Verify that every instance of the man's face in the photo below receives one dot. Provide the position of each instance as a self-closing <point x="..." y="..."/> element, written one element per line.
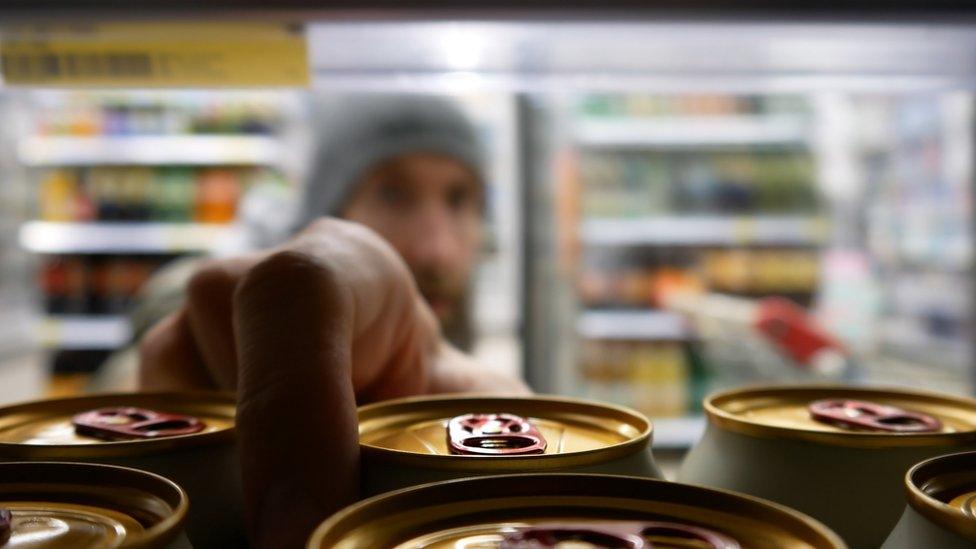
<point x="428" y="206"/>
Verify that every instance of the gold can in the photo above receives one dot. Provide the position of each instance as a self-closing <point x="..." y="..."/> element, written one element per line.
<point x="185" y="437"/>
<point x="836" y="453"/>
<point x="414" y="441"/>
<point x="57" y="505"/>
<point x="941" y="510"/>
<point x="542" y="510"/>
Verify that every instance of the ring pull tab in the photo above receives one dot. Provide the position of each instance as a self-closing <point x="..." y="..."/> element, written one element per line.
<point x="686" y="532"/>
<point x="545" y="536"/>
<point x="5" y="518"/>
<point x="494" y="435"/>
<point x="615" y="535"/>
<point x="127" y="423"/>
<point x="862" y="414"/>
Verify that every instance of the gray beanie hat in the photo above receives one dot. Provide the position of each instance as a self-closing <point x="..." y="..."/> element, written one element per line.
<point x="352" y="134"/>
<point x="355" y="133"/>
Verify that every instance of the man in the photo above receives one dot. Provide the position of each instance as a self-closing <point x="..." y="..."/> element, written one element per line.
<point x="346" y="312"/>
<point x="409" y="167"/>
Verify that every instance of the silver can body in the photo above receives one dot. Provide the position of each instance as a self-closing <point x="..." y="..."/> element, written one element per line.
<point x="857" y="492"/>
<point x="211" y="477"/>
<point x="379" y="476"/>
<point x="914" y="531"/>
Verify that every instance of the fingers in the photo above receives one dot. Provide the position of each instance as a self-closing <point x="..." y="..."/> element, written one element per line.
<point x="456" y="372"/>
<point x="296" y="418"/>
<point x="209" y="307"/>
<point x="387" y="332"/>
<point x="169" y="360"/>
<point x="409" y="360"/>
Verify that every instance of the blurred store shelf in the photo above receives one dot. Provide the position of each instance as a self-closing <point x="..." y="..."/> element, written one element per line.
<point x="639" y="325"/>
<point x="691" y="131"/>
<point x="704" y="230"/>
<point x="77" y="332"/>
<point x="197" y="150"/>
<point x="55" y="237"/>
<point x="677" y="433"/>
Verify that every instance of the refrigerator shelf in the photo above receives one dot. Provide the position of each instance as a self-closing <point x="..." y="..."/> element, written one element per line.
<point x="692" y="131"/>
<point x="632" y="325"/>
<point x="703" y="230"/>
<point x="123" y="237"/>
<point x="185" y="150"/>
<point x="82" y="332"/>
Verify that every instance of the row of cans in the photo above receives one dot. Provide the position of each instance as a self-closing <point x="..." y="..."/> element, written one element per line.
<point x="786" y="466"/>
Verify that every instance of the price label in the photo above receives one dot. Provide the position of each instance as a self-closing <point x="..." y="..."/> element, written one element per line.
<point x="49" y="332"/>
<point x="743" y="230"/>
<point x="233" y="54"/>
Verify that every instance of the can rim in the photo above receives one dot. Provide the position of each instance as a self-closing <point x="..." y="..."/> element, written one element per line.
<point x="731" y="422"/>
<point x="940" y="513"/>
<point x="157" y="535"/>
<point x="19" y="450"/>
<point x="511" y="463"/>
<point x="566" y="482"/>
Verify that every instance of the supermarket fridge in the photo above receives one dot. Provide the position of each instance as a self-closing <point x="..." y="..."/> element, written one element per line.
<point x="744" y="204"/>
<point x="727" y="160"/>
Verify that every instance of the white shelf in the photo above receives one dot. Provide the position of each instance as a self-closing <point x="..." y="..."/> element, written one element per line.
<point x="692" y="131"/>
<point x="642" y="325"/>
<point x="704" y="230"/>
<point x="77" y="332"/>
<point x="198" y="150"/>
<point x="679" y="432"/>
<point x="128" y="237"/>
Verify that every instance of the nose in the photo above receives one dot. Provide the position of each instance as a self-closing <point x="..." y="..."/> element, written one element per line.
<point x="436" y="241"/>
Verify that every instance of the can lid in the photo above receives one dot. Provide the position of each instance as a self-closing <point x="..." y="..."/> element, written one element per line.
<point x="122" y="424"/>
<point x="943" y="489"/>
<point x="81" y="505"/>
<point x="533" y="432"/>
<point x="965" y="502"/>
<point x="846" y="415"/>
<point x="539" y="510"/>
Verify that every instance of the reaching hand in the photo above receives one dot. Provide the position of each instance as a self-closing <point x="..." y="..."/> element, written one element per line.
<point x="304" y="332"/>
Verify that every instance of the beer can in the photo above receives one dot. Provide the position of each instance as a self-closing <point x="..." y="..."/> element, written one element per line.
<point x="941" y="510"/>
<point x="417" y="440"/>
<point x="185" y="437"/>
<point x="57" y="505"/>
<point x="549" y="509"/>
<point x="836" y="453"/>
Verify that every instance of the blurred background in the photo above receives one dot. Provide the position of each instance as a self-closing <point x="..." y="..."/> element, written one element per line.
<point x="673" y="208"/>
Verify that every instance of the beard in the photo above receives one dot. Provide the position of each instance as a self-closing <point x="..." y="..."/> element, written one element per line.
<point x="451" y="304"/>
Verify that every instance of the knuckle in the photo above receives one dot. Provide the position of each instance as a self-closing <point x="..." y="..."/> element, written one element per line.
<point x="210" y="279"/>
<point x="287" y="272"/>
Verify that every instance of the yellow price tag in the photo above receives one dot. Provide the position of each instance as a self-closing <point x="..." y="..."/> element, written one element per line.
<point x="140" y="54"/>
<point x="49" y="332"/>
<point x="743" y="230"/>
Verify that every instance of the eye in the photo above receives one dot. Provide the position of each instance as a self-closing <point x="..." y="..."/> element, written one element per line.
<point x="461" y="197"/>
<point x="393" y="195"/>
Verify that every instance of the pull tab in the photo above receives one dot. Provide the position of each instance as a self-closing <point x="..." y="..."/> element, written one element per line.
<point x="494" y="435"/>
<point x="672" y="530"/>
<point x="854" y="414"/>
<point x="545" y="536"/>
<point x="614" y="535"/>
<point x="126" y="423"/>
<point x="4" y="525"/>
